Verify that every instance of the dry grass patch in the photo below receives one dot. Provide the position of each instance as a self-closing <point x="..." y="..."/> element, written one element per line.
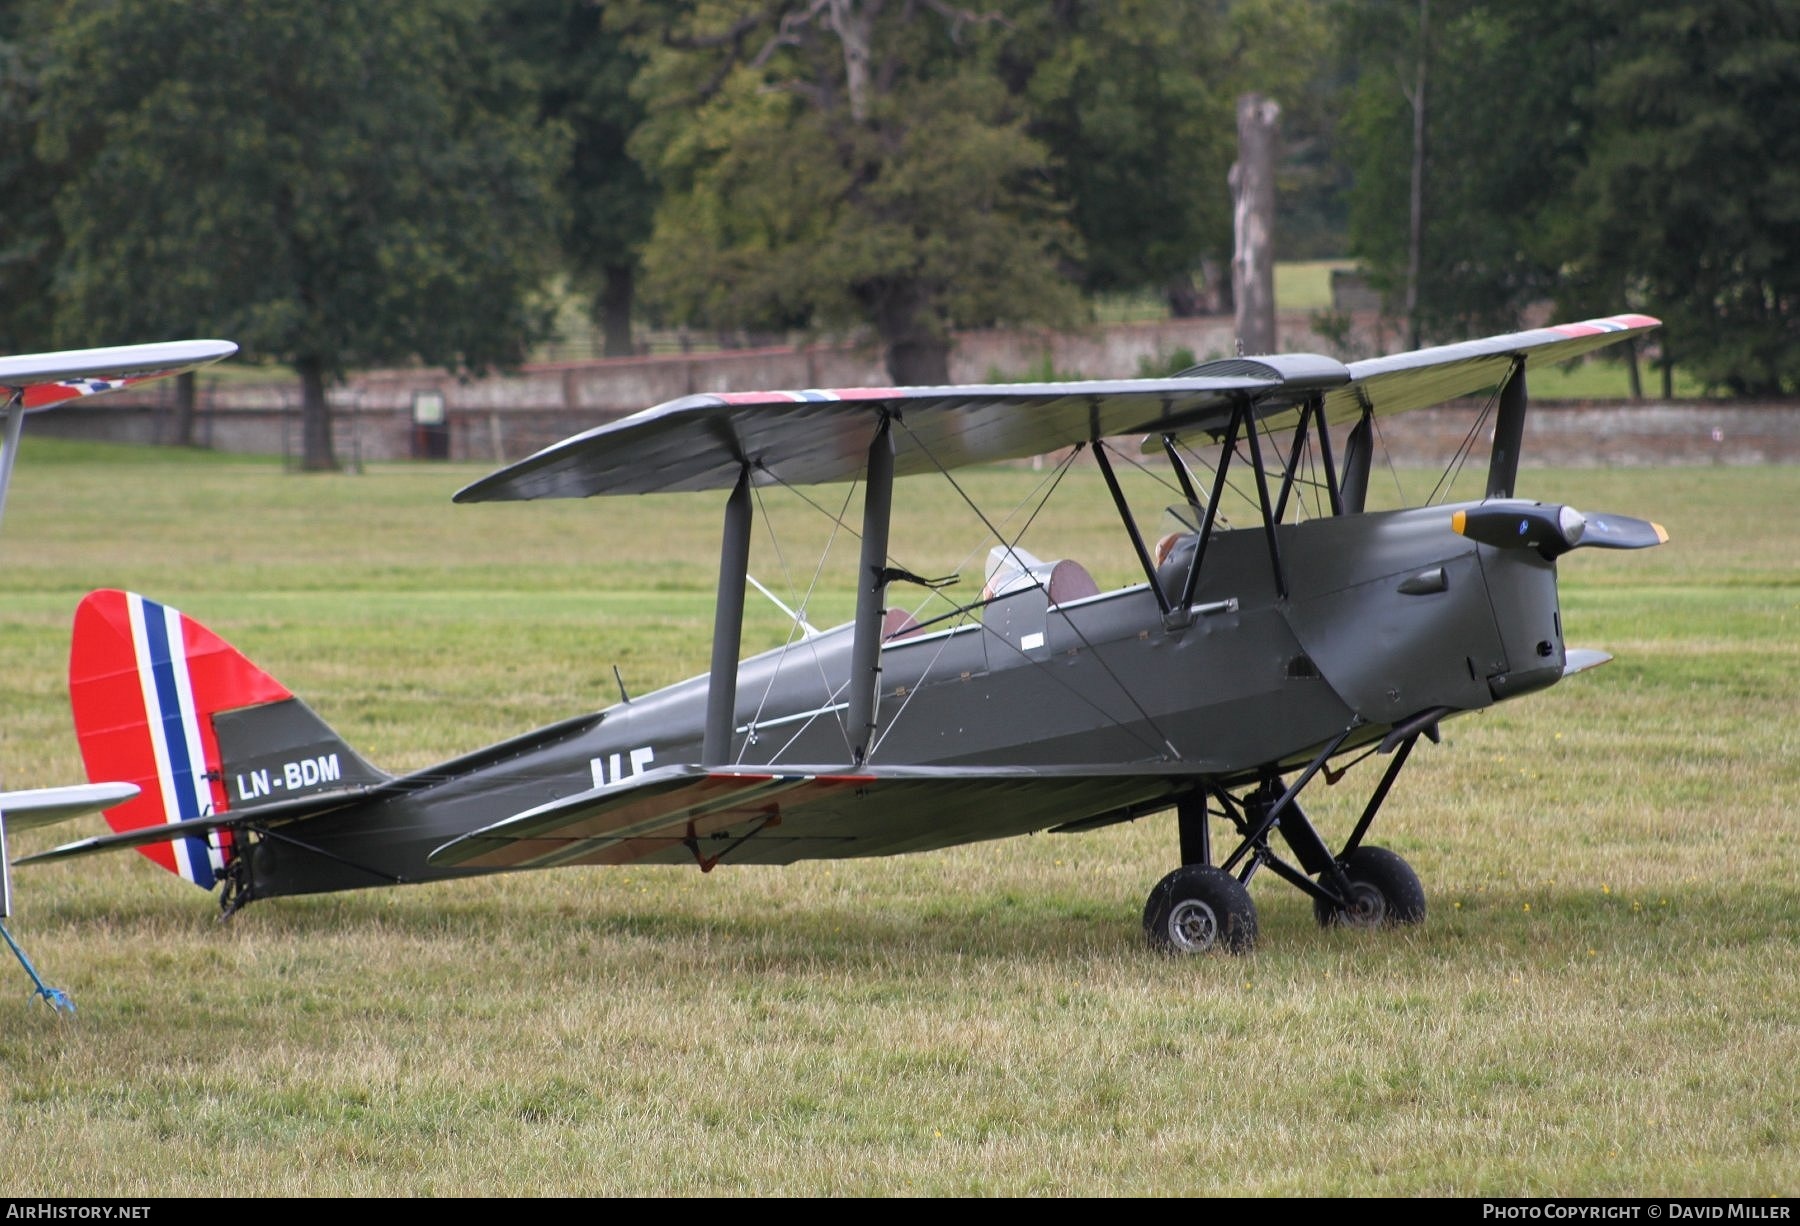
<point x="1602" y="1001"/>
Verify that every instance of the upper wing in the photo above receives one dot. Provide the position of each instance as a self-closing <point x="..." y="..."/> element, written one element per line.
<point x="762" y="817"/>
<point x="1426" y="377"/>
<point x="703" y="442"/>
<point x="40" y="380"/>
<point x="802" y="438"/>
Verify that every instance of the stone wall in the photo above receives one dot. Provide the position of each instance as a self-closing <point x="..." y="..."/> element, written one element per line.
<point x="504" y="417"/>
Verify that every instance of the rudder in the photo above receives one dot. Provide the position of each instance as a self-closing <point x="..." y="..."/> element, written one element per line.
<point x="163" y="702"/>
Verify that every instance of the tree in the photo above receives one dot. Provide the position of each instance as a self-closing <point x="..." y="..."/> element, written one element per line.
<point x="1601" y="156"/>
<point x="1136" y="102"/>
<point x="30" y="240"/>
<point x="584" y="70"/>
<point x="841" y="162"/>
<point x="1130" y="101"/>
<point x="1689" y="204"/>
<point x="333" y="190"/>
<point x="1500" y="141"/>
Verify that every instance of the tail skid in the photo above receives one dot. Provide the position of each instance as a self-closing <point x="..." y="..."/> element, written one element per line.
<point x="163" y="702"/>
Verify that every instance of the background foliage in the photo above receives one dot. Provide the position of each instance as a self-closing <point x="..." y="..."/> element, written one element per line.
<point x="418" y="179"/>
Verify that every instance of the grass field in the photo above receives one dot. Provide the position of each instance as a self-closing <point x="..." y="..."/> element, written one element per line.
<point x="1603" y="1000"/>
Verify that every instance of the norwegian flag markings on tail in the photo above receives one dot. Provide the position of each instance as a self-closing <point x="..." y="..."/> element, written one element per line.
<point x="145" y="681"/>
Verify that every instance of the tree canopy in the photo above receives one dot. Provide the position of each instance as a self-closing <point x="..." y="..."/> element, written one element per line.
<point x="30" y="241"/>
<point x="394" y="180"/>
<point x="331" y="188"/>
<point x="1598" y="156"/>
<point x="1689" y="201"/>
<point x="584" y="71"/>
<point x="843" y="162"/>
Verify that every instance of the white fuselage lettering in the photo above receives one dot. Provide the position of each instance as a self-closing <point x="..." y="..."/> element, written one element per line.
<point x="610" y="769"/>
<point x="293" y="776"/>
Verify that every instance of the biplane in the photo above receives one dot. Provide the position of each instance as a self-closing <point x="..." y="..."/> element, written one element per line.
<point x="1247" y="660"/>
<point x="31" y="383"/>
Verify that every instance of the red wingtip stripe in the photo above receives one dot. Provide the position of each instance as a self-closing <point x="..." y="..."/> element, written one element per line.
<point x="1612" y="323"/>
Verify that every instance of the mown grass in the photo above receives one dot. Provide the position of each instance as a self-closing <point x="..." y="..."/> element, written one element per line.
<point x="1601" y="1002"/>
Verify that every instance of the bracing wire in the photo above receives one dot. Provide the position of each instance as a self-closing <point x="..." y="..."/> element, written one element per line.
<point x="1124" y="689"/>
<point x="1453" y="469"/>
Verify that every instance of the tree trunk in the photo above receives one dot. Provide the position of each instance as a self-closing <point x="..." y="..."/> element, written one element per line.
<point x="1183" y="297"/>
<point x="918" y="355"/>
<point x="1253" y="191"/>
<point x="1217" y="279"/>
<point x="316" y="452"/>
<point x="616" y="295"/>
<point x="921" y="361"/>
<point x="185" y="394"/>
<point x="1631" y="369"/>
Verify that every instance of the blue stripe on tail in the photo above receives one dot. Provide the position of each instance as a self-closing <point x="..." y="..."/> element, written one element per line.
<point x="168" y="701"/>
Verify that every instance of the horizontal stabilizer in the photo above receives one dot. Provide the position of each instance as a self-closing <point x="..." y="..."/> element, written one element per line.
<point x="202" y="827"/>
<point x="41" y="380"/>
<point x="47" y="806"/>
<point x="874" y="810"/>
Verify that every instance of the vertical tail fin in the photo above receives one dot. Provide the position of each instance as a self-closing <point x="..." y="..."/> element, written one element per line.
<point x="163" y="702"/>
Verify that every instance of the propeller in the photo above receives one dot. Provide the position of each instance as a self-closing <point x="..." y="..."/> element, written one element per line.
<point x="1552" y="529"/>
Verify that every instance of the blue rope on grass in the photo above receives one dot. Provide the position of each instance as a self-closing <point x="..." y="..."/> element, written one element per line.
<point x="56" y="998"/>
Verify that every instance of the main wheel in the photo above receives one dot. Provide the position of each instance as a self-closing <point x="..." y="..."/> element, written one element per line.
<point x="1198" y="908"/>
<point x="1384" y="890"/>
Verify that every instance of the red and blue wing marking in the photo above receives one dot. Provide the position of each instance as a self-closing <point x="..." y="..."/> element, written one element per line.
<point x="145" y="681"/>
<point x="43" y="395"/>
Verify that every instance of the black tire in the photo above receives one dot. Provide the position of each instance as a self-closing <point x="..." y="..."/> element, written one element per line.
<point x="1388" y="893"/>
<point x="1197" y="909"/>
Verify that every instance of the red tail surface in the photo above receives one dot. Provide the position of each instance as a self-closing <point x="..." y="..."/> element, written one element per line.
<point x="145" y="681"/>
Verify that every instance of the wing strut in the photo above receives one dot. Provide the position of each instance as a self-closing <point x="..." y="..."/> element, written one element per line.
<point x="1325" y="458"/>
<point x="1131" y="528"/>
<point x="728" y="625"/>
<point x="1268" y="510"/>
<point x="1181" y="470"/>
<point x="871" y="594"/>
<point x="1509" y="434"/>
<point x="9" y="443"/>
<point x="1238" y="416"/>
<point x="1292" y="470"/>
<point x="1358" y="451"/>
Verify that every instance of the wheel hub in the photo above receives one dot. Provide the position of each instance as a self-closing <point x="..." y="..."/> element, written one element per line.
<point x="1193" y="926"/>
<point x="1367" y="909"/>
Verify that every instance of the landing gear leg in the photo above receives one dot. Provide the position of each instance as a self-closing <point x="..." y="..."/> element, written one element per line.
<point x="1359" y="886"/>
<point x="1193" y="816"/>
<point x="1198" y="908"/>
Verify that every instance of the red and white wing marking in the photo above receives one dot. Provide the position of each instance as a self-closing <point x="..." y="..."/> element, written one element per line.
<point x="144" y="681"/>
<point x="41" y="380"/>
<point x="1612" y="323"/>
<point x="1426" y="377"/>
